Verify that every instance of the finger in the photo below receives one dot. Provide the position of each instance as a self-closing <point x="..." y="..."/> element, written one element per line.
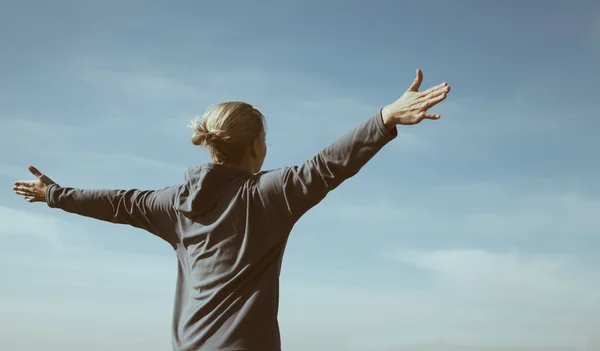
<point x="25" y="183"/>
<point x="432" y="95"/>
<point x="25" y="193"/>
<point x="22" y="191"/>
<point x="33" y="199"/>
<point x="21" y="188"/>
<point x="434" y="101"/>
<point x="440" y="88"/>
<point x="433" y="116"/>
<point x="417" y="82"/>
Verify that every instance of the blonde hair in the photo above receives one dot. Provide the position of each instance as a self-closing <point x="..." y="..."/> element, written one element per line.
<point x="228" y="130"/>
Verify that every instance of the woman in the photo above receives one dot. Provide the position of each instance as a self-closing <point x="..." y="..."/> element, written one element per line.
<point x="229" y="221"/>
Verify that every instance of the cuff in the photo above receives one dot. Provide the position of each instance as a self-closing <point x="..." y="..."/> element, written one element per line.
<point x="50" y="190"/>
<point x="388" y="134"/>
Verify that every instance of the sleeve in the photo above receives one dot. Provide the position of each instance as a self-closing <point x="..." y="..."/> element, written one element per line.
<point x="151" y="210"/>
<point x="296" y="189"/>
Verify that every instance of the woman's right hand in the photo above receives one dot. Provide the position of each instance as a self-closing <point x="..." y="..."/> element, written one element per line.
<point x="33" y="190"/>
<point x="413" y="106"/>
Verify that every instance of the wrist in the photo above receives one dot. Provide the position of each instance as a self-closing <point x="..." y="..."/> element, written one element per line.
<point x="387" y="118"/>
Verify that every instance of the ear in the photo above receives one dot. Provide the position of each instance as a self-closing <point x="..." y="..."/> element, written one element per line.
<point x="255" y="150"/>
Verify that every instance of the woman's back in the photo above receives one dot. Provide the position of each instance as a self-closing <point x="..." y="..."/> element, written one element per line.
<point x="231" y="244"/>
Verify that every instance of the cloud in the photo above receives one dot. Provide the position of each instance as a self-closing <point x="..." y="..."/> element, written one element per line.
<point x="58" y="234"/>
<point x="544" y="292"/>
<point x="487" y="266"/>
<point x="513" y="211"/>
<point x="151" y="85"/>
<point x="57" y="245"/>
<point x="479" y="298"/>
<point x="62" y="284"/>
<point x="32" y="134"/>
<point x="481" y="270"/>
<point x="132" y="78"/>
<point x="65" y="150"/>
<point x="111" y="302"/>
<point x="123" y="159"/>
<point x="441" y="346"/>
<point x="209" y="83"/>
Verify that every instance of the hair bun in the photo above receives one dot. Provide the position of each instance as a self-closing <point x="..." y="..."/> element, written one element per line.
<point x="202" y="137"/>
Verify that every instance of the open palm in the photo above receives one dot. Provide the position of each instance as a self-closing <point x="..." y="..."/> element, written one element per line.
<point x="413" y="106"/>
<point x="33" y="190"/>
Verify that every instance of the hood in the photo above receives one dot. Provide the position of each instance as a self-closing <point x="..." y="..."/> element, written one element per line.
<point x="205" y="185"/>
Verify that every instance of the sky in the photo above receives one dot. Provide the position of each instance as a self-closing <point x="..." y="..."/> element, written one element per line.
<point x="479" y="231"/>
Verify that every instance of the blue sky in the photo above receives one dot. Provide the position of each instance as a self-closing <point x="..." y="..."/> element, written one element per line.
<point x="477" y="230"/>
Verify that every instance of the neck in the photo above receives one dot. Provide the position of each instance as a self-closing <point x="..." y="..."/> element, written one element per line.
<point x="247" y="165"/>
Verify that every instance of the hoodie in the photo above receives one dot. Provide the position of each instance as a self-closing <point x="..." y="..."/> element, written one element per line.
<point x="229" y="229"/>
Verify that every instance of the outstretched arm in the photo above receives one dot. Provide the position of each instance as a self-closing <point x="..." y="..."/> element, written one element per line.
<point x="151" y="210"/>
<point x="296" y="189"/>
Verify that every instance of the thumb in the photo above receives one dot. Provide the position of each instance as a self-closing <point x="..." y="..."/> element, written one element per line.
<point x="43" y="178"/>
<point x="417" y="82"/>
<point x="35" y="172"/>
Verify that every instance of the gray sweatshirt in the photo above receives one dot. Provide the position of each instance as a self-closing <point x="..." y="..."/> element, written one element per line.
<point x="229" y="229"/>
